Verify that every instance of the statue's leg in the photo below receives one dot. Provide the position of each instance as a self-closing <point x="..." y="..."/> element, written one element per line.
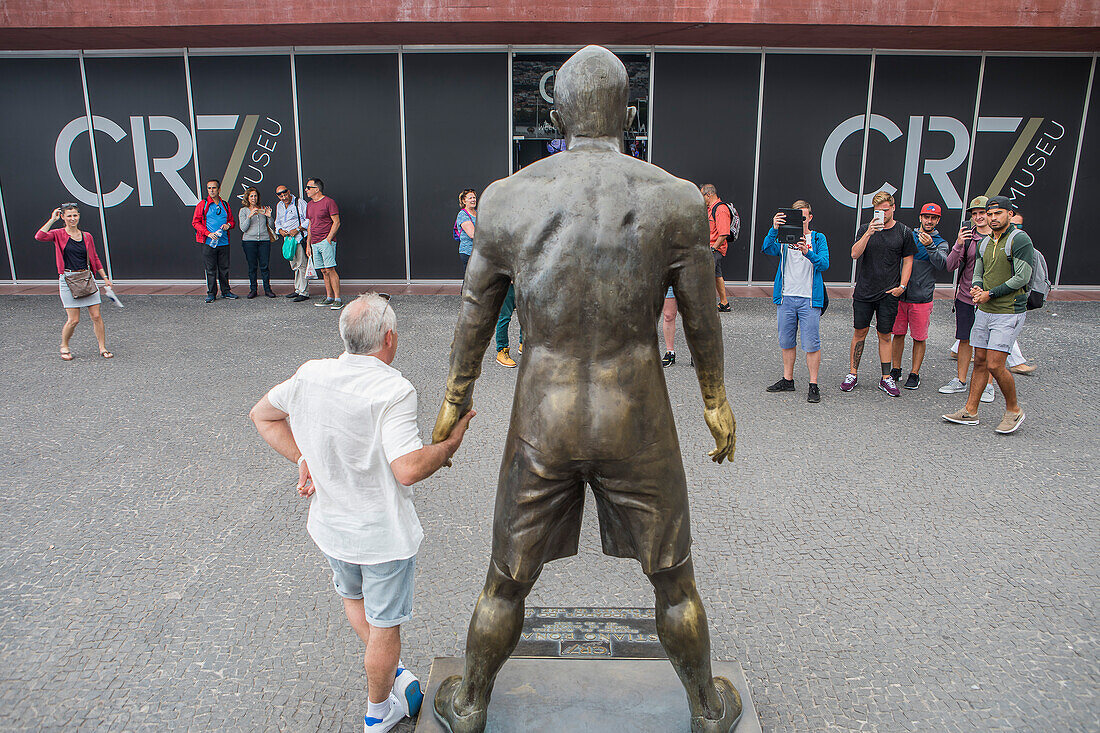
<point x="682" y="628"/>
<point x="461" y="702"/>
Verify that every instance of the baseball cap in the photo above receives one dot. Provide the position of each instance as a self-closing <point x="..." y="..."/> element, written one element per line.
<point x="932" y="209"/>
<point x="1000" y="202"/>
<point x="979" y="202"/>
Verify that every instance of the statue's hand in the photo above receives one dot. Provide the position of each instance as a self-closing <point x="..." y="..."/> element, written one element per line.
<point x="723" y="427"/>
<point x="449" y="414"/>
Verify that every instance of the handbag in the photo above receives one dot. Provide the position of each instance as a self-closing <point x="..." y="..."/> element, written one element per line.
<point x="81" y="283"/>
<point x="290" y="247"/>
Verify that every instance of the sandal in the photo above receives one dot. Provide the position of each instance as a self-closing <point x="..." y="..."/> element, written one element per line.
<point x="107" y="355"/>
<point x="67" y="355"/>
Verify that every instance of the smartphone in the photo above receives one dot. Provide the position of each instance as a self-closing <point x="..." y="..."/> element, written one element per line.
<point x="968" y="225"/>
<point x="879" y="216"/>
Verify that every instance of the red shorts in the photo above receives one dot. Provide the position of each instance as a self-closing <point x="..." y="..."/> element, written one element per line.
<point x="913" y="317"/>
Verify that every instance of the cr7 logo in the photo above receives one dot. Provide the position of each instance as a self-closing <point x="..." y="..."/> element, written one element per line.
<point x="938" y="170"/>
<point x="169" y="167"/>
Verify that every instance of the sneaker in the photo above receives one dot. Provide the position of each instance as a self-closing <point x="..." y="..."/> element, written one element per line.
<point x="849" y="383"/>
<point x="889" y="386"/>
<point x="814" y="395"/>
<point x="270" y="294"/>
<point x="962" y="417"/>
<point x="783" y="385"/>
<point x="406" y="688"/>
<point x="1023" y="369"/>
<point x="896" y="374"/>
<point x="396" y="714"/>
<point x="504" y="360"/>
<point x="912" y="381"/>
<point x="336" y="305"/>
<point x="291" y="294"/>
<point x="251" y="294"/>
<point x="724" y="308"/>
<point x="1010" y="422"/>
<point x="210" y="298"/>
<point x="298" y="298"/>
<point x="230" y="296"/>
<point x="955" y="386"/>
<point x="668" y="359"/>
<point x="323" y="303"/>
<point x="519" y="349"/>
<point x="987" y="393"/>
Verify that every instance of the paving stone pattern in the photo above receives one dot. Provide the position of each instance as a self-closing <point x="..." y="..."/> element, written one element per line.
<point x="870" y="567"/>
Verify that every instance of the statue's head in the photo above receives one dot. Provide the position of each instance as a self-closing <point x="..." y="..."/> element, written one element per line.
<point x="591" y="94"/>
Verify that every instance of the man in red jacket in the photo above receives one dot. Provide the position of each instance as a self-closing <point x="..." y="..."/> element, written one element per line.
<point x="211" y="221"/>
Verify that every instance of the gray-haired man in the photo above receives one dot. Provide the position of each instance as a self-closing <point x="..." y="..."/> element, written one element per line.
<point x="350" y="424"/>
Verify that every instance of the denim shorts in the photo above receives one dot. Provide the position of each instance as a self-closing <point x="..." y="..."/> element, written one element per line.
<point x="797" y="314"/>
<point x="324" y="254"/>
<point x="385" y="588"/>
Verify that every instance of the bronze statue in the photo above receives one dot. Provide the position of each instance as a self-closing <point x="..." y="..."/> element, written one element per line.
<point x="591" y="238"/>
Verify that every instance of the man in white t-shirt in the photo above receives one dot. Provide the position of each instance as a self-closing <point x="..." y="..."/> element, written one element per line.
<point x="350" y="424"/>
<point x="799" y="292"/>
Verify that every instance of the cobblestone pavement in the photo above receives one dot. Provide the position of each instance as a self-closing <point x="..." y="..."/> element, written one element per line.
<point x="871" y="567"/>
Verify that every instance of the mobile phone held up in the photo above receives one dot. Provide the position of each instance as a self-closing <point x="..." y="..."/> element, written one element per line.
<point x="791" y="230"/>
<point x="879" y="216"/>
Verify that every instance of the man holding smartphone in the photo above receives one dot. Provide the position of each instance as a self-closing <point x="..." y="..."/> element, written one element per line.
<point x="884" y="255"/>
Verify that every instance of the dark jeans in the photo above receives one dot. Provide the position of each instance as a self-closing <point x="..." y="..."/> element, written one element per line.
<point x="258" y="253"/>
<point x="216" y="261"/>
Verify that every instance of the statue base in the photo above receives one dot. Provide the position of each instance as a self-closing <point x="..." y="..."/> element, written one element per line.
<point x="589" y="696"/>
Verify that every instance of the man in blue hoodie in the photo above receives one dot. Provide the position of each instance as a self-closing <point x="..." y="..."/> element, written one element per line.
<point x="915" y="305"/>
<point x="799" y="292"/>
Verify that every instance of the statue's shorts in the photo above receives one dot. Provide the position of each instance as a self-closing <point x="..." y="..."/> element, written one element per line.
<point x="641" y="502"/>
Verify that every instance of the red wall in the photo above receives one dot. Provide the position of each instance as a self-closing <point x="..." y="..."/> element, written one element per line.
<point x="925" y="24"/>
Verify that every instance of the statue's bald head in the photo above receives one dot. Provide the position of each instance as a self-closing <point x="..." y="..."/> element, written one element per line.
<point x="591" y="94"/>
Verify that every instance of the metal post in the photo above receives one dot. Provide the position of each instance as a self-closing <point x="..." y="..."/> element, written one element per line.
<point x="199" y="193"/>
<point x="95" y="167"/>
<point x="649" y="105"/>
<point x="970" y="156"/>
<point x="756" y="167"/>
<point x="1073" y="180"/>
<point x="297" y="131"/>
<point x="404" y="162"/>
<point x="511" y="115"/>
<point x="7" y="237"/>
<point x="863" y="160"/>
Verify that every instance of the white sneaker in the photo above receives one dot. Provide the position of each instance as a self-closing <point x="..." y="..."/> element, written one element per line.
<point x="953" y="387"/>
<point x="406" y="688"/>
<point x="987" y="393"/>
<point x="396" y="714"/>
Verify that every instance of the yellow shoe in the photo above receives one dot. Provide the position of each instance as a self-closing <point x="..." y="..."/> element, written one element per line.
<point x="504" y="360"/>
<point x="519" y="349"/>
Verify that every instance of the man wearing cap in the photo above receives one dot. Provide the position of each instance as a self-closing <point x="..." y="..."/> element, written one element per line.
<point x="1002" y="271"/>
<point x="915" y="304"/>
<point x="962" y="257"/>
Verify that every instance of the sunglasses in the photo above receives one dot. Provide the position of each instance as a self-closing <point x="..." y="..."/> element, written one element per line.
<point x="308" y="187"/>
<point x="282" y="193"/>
<point x="69" y="205"/>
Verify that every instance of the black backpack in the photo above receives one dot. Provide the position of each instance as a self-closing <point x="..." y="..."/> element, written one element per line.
<point x="735" y="220"/>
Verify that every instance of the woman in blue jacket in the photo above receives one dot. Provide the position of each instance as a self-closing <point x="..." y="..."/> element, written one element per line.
<point x="800" y="294"/>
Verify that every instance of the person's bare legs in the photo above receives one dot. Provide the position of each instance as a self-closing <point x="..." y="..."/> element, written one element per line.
<point x="995" y="365"/>
<point x="918" y="355"/>
<point x="964" y="359"/>
<point x="884" y="347"/>
<point x="328" y="284"/>
<point x="682" y="628"/>
<point x="859" y="340"/>
<point x="720" y="286"/>
<point x="72" y="318"/>
<point x="335" y="280"/>
<point x="813" y="364"/>
<point x="978" y="380"/>
<point x="98" y="326"/>
<point x="668" y="323"/>
<point x="788" y="363"/>
<point x="897" y="350"/>
<point x="383" y="649"/>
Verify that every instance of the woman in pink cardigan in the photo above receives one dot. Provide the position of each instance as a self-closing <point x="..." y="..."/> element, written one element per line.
<point x="75" y="251"/>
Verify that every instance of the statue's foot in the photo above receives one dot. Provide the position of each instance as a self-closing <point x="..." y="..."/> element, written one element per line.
<point x="471" y="722"/>
<point x="731" y="711"/>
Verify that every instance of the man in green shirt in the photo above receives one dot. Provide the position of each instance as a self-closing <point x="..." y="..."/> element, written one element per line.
<point x="1002" y="272"/>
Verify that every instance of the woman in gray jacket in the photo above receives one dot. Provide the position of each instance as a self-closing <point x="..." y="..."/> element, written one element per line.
<point x="256" y="227"/>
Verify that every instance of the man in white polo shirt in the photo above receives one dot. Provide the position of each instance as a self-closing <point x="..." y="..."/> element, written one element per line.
<point x="350" y="424"/>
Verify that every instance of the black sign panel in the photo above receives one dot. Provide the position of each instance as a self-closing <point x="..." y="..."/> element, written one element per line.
<point x="811" y="145"/>
<point x="146" y="164"/>
<point x="45" y="157"/>
<point x="1081" y="261"/>
<point x="244" y="122"/>
<point x="456" y="112"/>
<point x="358" y="155"/>
<point x="1030" y="119"/>
<point x="919" y="141"/>
<point x="589" y="633"/>
<point x="705" y="125"/>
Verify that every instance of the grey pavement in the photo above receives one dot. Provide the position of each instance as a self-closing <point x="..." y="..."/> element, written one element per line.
<point x="871" y="567"/>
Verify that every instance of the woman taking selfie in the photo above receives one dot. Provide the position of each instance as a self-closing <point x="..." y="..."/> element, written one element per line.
<point x="76" y="261"/>
<point x="256" y="227"/>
